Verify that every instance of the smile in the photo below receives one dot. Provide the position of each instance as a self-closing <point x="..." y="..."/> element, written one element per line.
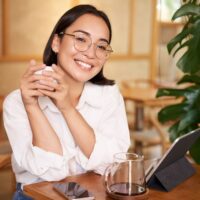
<point x="84" y="65"/>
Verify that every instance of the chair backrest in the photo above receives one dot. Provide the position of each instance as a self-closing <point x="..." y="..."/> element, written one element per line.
<point x="5" y="160"/>
<point x="5" y="149"/>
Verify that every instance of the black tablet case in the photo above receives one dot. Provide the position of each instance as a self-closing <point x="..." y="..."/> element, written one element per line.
<point x="174" y="168"/>
<point x="172" y="175"/>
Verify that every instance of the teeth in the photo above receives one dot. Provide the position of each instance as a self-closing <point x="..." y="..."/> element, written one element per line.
<point x="84" y="65"/>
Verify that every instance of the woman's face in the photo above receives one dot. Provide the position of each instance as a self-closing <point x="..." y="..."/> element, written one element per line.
<point x="81" y="66"/>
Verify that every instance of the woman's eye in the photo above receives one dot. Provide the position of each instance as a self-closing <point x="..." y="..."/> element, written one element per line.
<point x="80" y="39"/>
<point x="101" y="47"/>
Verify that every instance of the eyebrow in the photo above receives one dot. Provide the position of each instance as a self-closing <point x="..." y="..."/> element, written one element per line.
<point x="101" y="39"/>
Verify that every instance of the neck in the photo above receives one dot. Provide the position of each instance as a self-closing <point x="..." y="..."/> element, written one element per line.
<point x="75" y="91"/>
<point x="75" y="88"/>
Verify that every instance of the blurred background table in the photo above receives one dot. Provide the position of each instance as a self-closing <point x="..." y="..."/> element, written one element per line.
<point x="141" y="96"/>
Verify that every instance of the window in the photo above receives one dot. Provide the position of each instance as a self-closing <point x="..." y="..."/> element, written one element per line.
<point x="166" y="9"/>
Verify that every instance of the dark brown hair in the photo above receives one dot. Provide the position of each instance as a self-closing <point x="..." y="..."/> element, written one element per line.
<point x="68" y="18"/>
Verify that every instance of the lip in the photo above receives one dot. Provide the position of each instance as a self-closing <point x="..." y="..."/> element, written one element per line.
<point x="83" y="64"/>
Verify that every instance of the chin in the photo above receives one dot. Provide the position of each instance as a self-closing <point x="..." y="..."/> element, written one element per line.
<point x="83" y="79"/>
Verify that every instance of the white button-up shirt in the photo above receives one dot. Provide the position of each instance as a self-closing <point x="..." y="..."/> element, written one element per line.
<point x="103" y="109"/>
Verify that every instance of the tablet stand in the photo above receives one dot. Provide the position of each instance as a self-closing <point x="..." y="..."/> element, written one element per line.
<point x="172" y="175"/>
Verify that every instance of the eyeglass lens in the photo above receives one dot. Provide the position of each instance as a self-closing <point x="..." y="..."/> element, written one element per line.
<point x="82" y="42"/>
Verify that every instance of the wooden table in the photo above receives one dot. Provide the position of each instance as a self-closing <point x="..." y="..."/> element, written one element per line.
<point x="188" y="190"/>
<point x="145" y="97"/>
<point x="139" y="96"/>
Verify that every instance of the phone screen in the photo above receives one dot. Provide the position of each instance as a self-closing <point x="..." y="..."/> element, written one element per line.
<point x="73" y="191"/>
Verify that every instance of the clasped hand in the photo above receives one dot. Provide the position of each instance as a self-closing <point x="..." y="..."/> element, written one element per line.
<point x="49" y="83"/>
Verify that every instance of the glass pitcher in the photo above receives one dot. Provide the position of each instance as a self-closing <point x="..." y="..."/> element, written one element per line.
<point x="126" y="176"/>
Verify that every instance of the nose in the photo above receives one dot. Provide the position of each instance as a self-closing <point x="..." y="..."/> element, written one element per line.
<point x="90" y="52"/>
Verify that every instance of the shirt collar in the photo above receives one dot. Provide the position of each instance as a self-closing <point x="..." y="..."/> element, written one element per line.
<point x="92" y="95"/>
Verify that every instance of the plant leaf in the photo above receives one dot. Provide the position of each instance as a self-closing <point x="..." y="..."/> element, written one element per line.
<point x="171" y="92"/>
<point x="195" y="151"/>
<point x="173" y="132"/>
<point x="172" y="112"/>
<point x="192" y="96"/>
<point x="190" y="60"/>
<point x="192" y="117"/>
<point x="190" y="79"/>
<point x="178" y="39"/>
<point x="186" y="9"/>
<point x="181" y="46"/>
<point x="186" y="115"/>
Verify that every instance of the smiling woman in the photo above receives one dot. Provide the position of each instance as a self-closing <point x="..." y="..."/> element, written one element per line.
<point x="129" y="60"/>
<point x="76" y="123"/>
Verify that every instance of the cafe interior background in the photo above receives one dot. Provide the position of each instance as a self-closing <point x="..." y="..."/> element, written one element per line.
<point x="141" y="30"/>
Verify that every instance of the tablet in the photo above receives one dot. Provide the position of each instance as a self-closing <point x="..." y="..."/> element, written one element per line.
<point x="177" y="151"/>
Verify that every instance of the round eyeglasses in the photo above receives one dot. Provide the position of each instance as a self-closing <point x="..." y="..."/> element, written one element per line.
<point x="82" y="42"/>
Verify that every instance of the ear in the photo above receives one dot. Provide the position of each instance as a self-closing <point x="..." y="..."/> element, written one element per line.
<point x="55" y="43"/>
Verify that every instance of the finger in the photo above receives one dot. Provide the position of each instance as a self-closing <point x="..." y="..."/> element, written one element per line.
<point x="57" y="69"/>
<point x="31" y="78"/>
<point x="48" y="82"/>
<point x="37" y="93"/>
<point x="44" y="87"/>
<point x="54" y="75"/>
<point x="33" y="67"/>
<point x="37" y="85"/>
<point x="48" y="93"/>
<point x="39" y="77"/>
<point x="34" y="93"/>
<point x="32" y="62"/>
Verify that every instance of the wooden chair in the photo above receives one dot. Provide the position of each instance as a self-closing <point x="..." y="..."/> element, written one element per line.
<point x="153" y="134"/>
<point x="5" y="161"/>
<point x="5" y="154"/>
<point x="5" y="149"/>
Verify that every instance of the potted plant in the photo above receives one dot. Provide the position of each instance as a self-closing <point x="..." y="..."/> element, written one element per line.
<point x="185" y="115"/>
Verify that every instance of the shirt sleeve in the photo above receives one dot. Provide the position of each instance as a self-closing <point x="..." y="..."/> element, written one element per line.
<point x="45" y="165"/>
<point x="112" y="134"/>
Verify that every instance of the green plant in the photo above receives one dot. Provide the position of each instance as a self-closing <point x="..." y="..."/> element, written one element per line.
<point x="185" y="115"/>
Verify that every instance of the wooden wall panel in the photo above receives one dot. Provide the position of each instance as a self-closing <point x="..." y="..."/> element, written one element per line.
<point x="119" y="15"/>
<point x="30" y="25"/>
<point x="1" y="27"/>
<point x="142" y="27"/>
<point x="27" y="35"/>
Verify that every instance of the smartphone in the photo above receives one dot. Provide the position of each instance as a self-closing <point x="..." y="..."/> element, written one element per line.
<point x="73" y="191"/>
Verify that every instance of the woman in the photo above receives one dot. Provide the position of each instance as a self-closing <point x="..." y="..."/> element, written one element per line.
<point x="70" y="119"/>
